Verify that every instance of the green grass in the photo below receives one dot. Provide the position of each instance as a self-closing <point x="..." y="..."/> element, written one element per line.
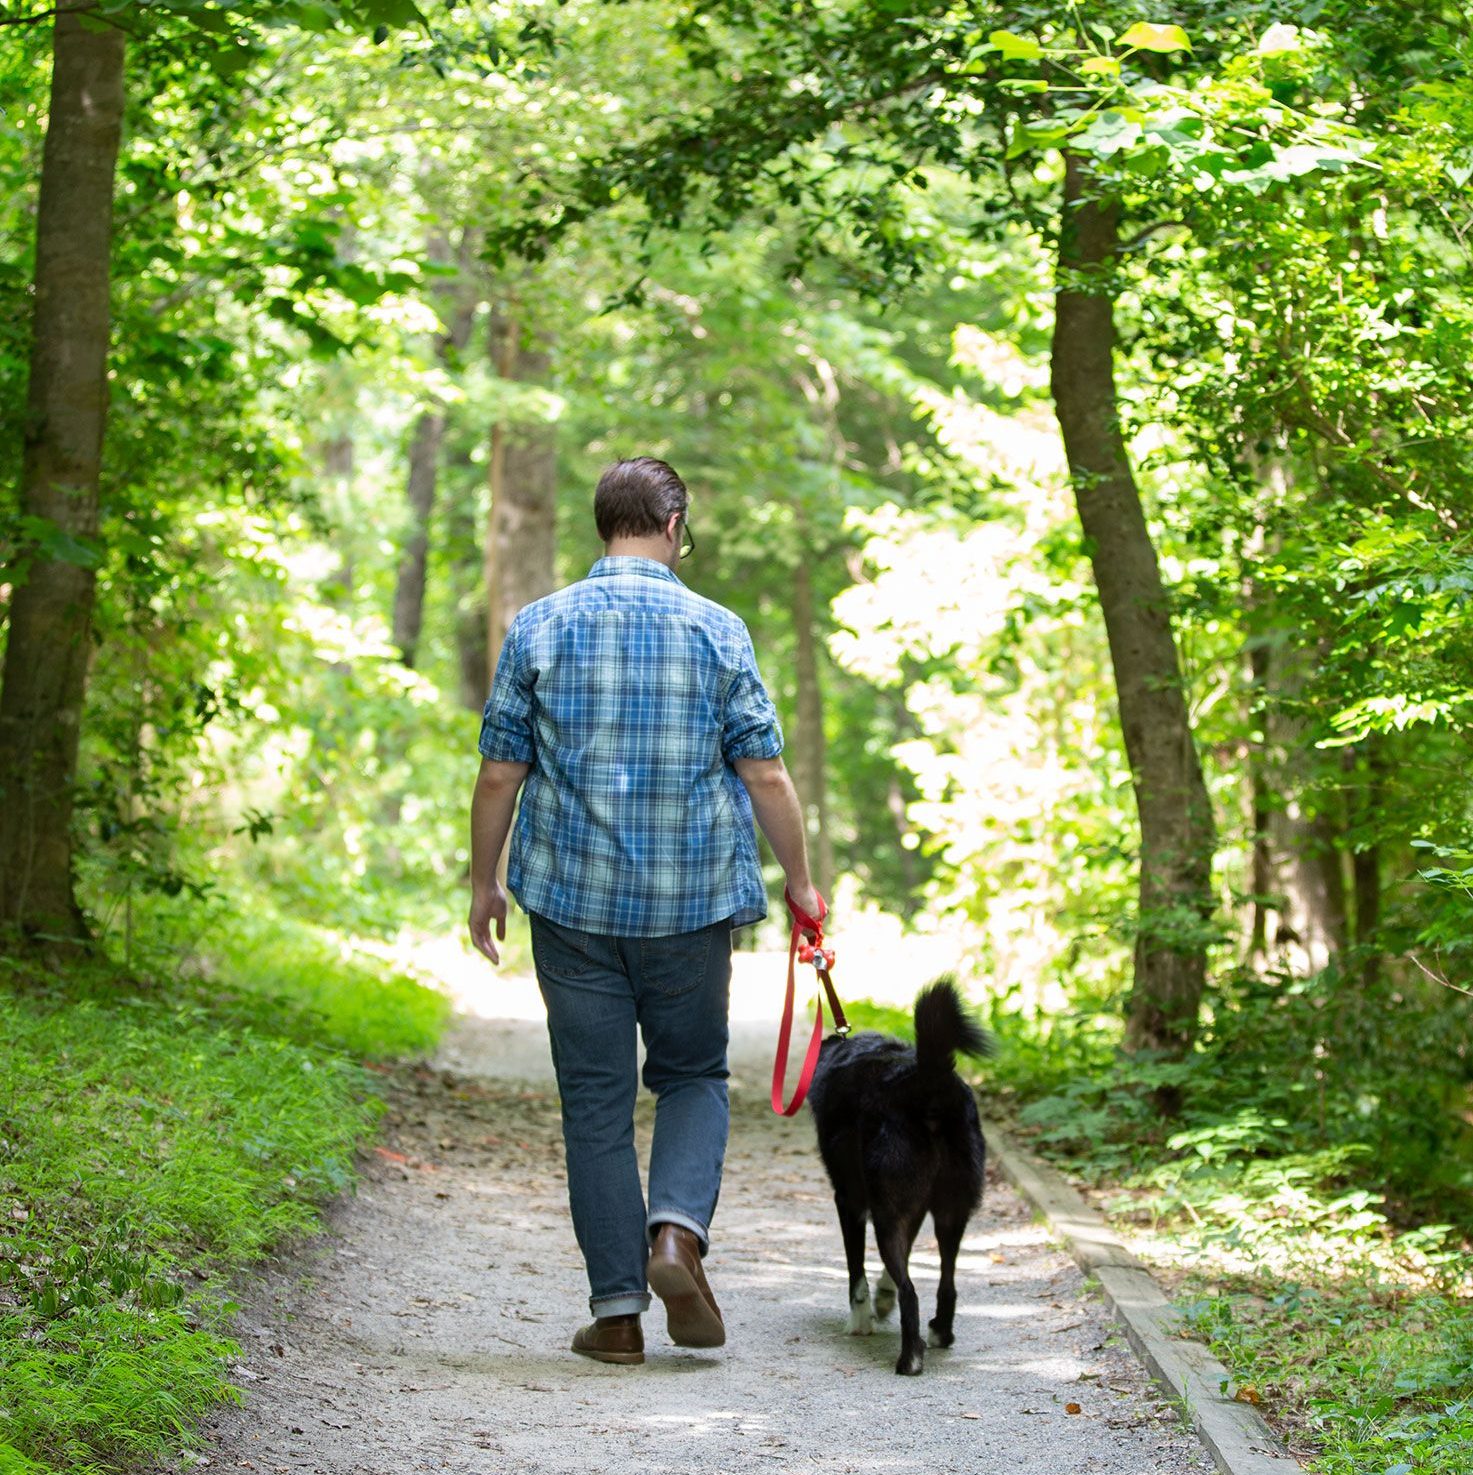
<point x="154" y="1140"/>
<point x="316" y="986"/>
<point x="889" y="1019"/>
<point x="1368" y="1376"/>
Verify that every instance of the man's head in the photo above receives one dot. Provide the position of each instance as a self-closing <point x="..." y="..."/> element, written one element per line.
<point x="642" y="502"/>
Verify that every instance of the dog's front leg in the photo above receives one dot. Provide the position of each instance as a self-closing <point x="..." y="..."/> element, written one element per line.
<point x="851" y="1225"/>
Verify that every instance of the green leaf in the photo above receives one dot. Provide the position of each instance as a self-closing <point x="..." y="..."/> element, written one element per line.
<point x="1144" y="36"/>
<point x="1013" y="47"/>
<point x="1108" y="134"/>
<point x="316" y="17"/>
<point x="1104" y="66"/>
<point x="55" y="543"/>
<point x="1036" y="136"/>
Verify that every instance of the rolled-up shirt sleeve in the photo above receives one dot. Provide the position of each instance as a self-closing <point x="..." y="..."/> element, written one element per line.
<point x="749" y="725"/>
<point x="506" y="720"/>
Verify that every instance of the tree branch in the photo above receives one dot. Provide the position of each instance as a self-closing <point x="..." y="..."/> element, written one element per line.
<point x="1146" y="232"/>
<point x="1439" y="979"/>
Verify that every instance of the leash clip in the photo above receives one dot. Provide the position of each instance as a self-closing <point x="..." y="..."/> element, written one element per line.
<point x="815" y="953"/>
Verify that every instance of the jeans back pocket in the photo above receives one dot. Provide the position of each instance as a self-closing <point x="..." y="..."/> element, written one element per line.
<point x="558" y="951"/>
<point x="678" y="963"/>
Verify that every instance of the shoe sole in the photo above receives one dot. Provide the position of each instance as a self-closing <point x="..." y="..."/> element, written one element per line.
<point x="691" y="1319"/>
<point x="625" y="1359"/>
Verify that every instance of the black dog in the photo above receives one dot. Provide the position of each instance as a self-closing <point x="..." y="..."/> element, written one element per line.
<point x="899" y="1135"/>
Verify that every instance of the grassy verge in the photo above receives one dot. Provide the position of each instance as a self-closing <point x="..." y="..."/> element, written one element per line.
<point x="1308" y="1209"/>
<point x="1354" y="1336"/>
<point x="155" y="1139"/>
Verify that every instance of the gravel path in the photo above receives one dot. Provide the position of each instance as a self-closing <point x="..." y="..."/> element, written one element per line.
<point x="428" y="1330"/>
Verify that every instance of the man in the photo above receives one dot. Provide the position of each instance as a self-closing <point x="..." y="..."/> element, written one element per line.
<point x="633" y="711"/>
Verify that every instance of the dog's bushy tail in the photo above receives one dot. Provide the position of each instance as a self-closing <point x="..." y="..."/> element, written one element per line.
<point x="944" y="1029"/>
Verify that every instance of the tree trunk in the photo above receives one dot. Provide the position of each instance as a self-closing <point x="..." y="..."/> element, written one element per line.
<point x="464" y="481"/>
<point x="1306" y="923"/>
<point x="521" y="532"/>
<point x="459" y="312"/>
<point x="409" y="588"/>
<point x="51" y="613"/>
<point x="809" y="753"/>
<point x="1262" y="882"/>
<point x="1300" y="921"/>
<point x="1365" y="857"/>
<point x="1177" y="835"/>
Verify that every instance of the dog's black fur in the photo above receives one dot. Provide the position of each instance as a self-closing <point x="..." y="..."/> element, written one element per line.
<point x="899" y="1135"/>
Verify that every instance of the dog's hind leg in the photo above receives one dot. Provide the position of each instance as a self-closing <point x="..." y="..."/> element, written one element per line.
<point x="851" y="1224"/>
<point x="895" y="1239"/>
<point x="949" y="1231"/>
<point x="884" y="1295"/>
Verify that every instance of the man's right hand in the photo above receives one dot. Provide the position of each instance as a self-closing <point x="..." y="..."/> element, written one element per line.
<point x="807" y="900"/>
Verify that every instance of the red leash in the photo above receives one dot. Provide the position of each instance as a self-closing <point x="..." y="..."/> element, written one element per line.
<point x="805" y="946"/>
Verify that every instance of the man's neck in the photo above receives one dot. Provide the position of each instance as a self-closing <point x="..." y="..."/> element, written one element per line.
<point x="657" y="549"/>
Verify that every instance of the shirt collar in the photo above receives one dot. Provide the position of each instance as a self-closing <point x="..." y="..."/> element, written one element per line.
<point x="628" y="564"/>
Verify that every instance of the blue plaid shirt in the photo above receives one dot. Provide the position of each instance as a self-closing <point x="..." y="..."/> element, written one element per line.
<point x="631" y="697"/>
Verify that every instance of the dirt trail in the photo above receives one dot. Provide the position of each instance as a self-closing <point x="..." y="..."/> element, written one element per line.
<point x="427" y="1330"/>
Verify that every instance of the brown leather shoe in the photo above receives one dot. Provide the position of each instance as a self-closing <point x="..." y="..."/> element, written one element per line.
<point x="677" y="1278"/>
<point x="611" y="1339"/>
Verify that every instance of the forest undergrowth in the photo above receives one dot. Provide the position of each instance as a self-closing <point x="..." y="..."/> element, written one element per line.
<point x="160" y="1132"/>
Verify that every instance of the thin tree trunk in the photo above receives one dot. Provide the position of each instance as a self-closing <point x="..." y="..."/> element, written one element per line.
<point x="1258" y="785"/>
<point x="464" y="481"/>
<point x="1365" y="859"/>
<point x="809" y="750"/>
<point x="424" y="446"/>
<point x="409" y="588"/>
<point x="521" y="531"/>
<point x="51" y="613"/>
<point x="1177" y="834"/>
<point x="1299" y="869"/>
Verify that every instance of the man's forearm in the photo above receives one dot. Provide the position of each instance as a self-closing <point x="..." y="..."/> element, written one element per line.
<point x="776" y="807"/>
<point x="492" y="806"/>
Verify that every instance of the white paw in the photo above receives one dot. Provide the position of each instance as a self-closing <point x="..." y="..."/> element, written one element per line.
<point x="861" y="1321"/>
<point x="933" y="1340"/>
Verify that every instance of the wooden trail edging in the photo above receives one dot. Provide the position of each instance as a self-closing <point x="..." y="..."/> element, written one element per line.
<point x="1235" y="1433"/>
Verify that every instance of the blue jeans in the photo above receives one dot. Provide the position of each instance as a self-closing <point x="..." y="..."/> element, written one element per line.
<point x="675" y="990"/>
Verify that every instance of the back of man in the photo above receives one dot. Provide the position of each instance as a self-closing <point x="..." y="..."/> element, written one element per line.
<point x="633" y="711"/>
<point x="640" y="696"/>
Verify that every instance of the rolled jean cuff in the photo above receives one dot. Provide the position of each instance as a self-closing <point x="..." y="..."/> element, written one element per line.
<point x="632" y="1303"/>
<point x="674" y="1216"/>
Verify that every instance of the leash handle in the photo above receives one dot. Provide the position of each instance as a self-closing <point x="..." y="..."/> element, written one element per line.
<point x="805" y="943"/>
<point x="801" y="920"/>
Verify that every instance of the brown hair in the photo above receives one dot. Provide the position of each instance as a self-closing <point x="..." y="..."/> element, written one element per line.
<point x="637" y="498"/>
